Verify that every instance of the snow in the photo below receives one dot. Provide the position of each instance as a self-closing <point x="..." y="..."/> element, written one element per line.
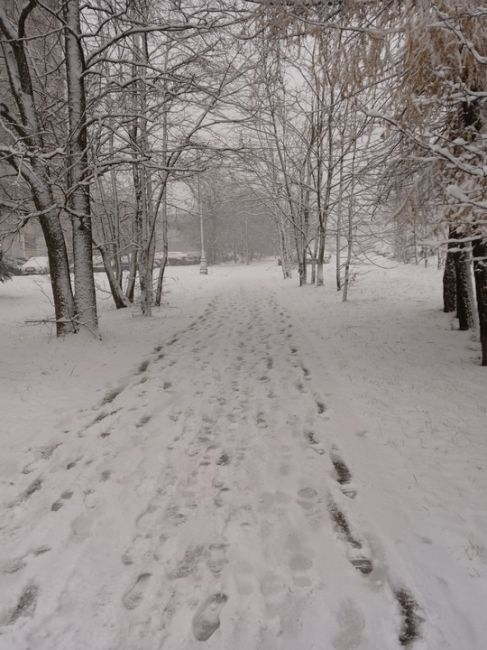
<point x="258" y="466"/>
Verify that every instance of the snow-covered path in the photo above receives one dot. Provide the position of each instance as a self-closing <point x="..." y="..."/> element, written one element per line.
<point x="236" y="492"/>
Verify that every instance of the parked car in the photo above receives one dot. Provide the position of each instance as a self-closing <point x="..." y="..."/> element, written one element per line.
<point x="99" y="267"/>
<point x="35" y="266"/>
<point x="193" y="257"/>
<point x="175" y="258"/>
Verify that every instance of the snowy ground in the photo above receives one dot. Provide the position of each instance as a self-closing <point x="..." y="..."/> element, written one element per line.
<point x="258" y="467"/>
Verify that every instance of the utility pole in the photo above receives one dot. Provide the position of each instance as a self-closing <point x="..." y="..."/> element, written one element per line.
<point x="203" y="262"/>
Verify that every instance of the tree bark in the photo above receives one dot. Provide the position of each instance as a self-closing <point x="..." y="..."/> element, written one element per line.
<point x="350" y="234"/>
<point x="321" y="254"/>
<point x="119" y="298"/>
<point x="285" y="264"/>
<point x="463" y="276"/>
<point x="36" y="173"/>
<point x="313" y="260"/>
<point x="479" y="250"/>
<point x="62" y="291"/>
<point x="449" y="285"/>
<point x="165" y="249"/>
<point x="78" y="189"/>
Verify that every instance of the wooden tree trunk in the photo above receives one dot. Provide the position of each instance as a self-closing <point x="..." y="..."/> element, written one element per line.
<point x="348" y="262"/>
<point x="165" y="250"/>
<point x="145" y="213"/>
<point x="160" y="280"/>
<point x="62" y="292"/>
<point x="479" y="251"/>
<point x="119" y="298"/>
<point x="338" y="237"/>
<point x="300" y="255"/>
<point x="36" y="172"/>
<point x="321" y="254"/>
<point x="449" y="284"/>
<point x="350" y="234"/>
<point x="463" y="277"/>
<point x="130" y="290"/>
<point x="313" y="260"/>
<point x="285" y="262"/>
<point x="115" y="219"/>
<point x="78" y="190"/>
<point x="163" y="199"/>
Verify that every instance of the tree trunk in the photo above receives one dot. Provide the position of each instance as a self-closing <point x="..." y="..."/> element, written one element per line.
<point x="160" y="280"/>
<point x="62" y="292"/>
<point x="36" y="176"/>
<point x="449" y="285"/>
<point x="130" y="290"/>
<point x="338" y="236"/>
<point x="463" y="276"/>
<point x="165" y="249"/>
<point x="313" y="260"/>
<point x="246" y="240"/>
<point x="321" y="254"/>
<point x="348" y="262"/>
<point x="415" y="238"/>
<point x="115" y="220"/>
<point x="146" y="216"/>
<point x="465" y="308"/>
<point x="136" y="229"/>
<point x="284" y="252"/>
<point x="350" y="234"/>
<point x="78" y="190"/>
<point x="119" y="298"/>
<point x="479" y="251"/>
<point x="163" y="198"/>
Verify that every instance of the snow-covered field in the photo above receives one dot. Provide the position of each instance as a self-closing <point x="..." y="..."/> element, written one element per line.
<point x="257" y="467"/>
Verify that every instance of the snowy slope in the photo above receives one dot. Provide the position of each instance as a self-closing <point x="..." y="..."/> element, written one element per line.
<point x="257" y="467"/>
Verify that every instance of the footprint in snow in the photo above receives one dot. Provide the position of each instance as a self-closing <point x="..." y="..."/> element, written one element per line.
<point x="31" y="489"/>
<point x="343" y="475"/>
<point x="217" y="559"/>
<point x="310" y="437"/>
<point x="321" y="406"/>
<point x="26" y="603"/>
<point x="306" y="372"/>
<point x="261" y="421"/>
<point x="187" y="564"/>
<point x="351" y="625"/>
<point x="143" y="366"/>
<point x="111" y="395"/>
<point x="42" y="453"/>
<point x="309" y="502"/>
<point x="132" y="598"/>
<point x="206" y="621"/>
<point x="143" y="421"/>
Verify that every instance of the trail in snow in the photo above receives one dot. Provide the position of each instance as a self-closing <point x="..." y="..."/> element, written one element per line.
<point x="209" y="500"/>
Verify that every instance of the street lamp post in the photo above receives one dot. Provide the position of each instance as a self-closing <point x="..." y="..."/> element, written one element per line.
<point x="203" y="262"/>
